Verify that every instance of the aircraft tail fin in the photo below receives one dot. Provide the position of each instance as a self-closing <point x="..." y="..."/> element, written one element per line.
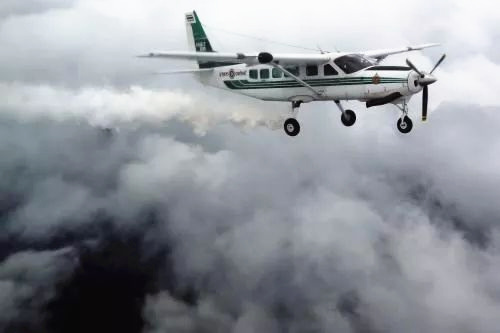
<point x="198" y="40"/>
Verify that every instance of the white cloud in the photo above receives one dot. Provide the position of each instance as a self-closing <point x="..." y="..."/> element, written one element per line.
<point x="474" y="80"/>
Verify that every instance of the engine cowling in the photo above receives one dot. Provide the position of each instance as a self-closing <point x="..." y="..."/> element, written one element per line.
<point x="413" y="85"/>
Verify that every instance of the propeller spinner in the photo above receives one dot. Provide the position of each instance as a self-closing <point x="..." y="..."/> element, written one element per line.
<point x="424" y="81"/>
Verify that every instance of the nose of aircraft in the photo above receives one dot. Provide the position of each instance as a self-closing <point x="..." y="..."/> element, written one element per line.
<point x="427" y="80"/>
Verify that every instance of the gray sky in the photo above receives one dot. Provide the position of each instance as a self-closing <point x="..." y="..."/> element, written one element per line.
<point x="341" y="229"/>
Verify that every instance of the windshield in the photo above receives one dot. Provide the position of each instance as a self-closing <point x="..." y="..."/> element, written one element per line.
<point x="352" y="63"/>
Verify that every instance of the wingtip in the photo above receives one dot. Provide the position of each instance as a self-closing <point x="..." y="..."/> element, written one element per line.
<point x="149" y="55"/>
<point x="433" y="44"/>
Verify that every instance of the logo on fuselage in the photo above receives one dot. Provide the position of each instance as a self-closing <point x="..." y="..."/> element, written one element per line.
<point x="233" y="73"/>
<point x="376" y="79"/>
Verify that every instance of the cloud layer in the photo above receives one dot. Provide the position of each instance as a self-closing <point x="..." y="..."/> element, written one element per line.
<point x="179" y="220"/>
<point x="321" y="236"/>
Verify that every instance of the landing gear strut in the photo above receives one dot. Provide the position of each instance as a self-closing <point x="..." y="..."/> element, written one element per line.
<point x="348" y="117"/>
<point x="291" y="125"/>
<point x="404" y="124"/>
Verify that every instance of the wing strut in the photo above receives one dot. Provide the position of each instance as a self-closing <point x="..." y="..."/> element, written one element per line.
<point x="303" y="83"/>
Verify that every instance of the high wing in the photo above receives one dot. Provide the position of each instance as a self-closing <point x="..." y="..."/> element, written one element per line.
<point x="283" y="59"/>
<point x="380" y="55"/>
<point x="245" y="58"/>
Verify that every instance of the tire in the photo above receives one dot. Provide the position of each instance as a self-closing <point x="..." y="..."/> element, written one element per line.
<point x="405" y="125"/>
<point x="348" y="118"/>
<point x="292" y="127"/>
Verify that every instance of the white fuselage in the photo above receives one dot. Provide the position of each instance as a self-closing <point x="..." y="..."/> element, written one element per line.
<point x="366" y="84"/>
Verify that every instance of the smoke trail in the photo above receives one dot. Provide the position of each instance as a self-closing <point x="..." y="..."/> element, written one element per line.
<point x="107" y="107"/>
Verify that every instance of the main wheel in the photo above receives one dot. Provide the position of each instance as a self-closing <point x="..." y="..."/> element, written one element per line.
<point x="348" y="118"/>
<point x="405" y="125"/>
<point x="292" y="126"/>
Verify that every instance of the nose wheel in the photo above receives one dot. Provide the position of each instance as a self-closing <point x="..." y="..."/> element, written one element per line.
<point x="405" y="125"/>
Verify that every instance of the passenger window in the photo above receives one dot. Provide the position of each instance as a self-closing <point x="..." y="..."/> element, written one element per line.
<point x="292" y="69"/>
<point x="264" y="74"/>
<point x="277" y="73"/>
<point x="253" y="74"/>
<point x="329" y="70"/>
<point x="311" y="70"/>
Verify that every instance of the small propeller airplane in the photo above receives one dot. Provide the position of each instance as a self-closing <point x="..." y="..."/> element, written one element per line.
<point x="303" y="78"/>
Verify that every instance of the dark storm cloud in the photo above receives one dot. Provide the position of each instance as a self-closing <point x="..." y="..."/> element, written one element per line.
<point x="113" y="276"/>
<point x="27" y="282"/>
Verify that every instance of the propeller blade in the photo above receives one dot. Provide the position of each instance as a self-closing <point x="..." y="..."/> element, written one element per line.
<point x="425" y="101"/>
<point x="409" y="63"/>
<point x="438" y="63"/>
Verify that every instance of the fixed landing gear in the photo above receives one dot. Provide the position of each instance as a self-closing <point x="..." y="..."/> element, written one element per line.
<point x="348" y="117"/>
<point x="404" y="124"/>
<point x="291" y="125"/>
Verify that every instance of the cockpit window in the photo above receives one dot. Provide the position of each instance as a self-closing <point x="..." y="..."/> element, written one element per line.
<point x="352" y="63"/>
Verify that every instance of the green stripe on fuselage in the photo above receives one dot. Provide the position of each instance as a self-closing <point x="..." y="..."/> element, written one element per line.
<point x="245" y="84"/>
